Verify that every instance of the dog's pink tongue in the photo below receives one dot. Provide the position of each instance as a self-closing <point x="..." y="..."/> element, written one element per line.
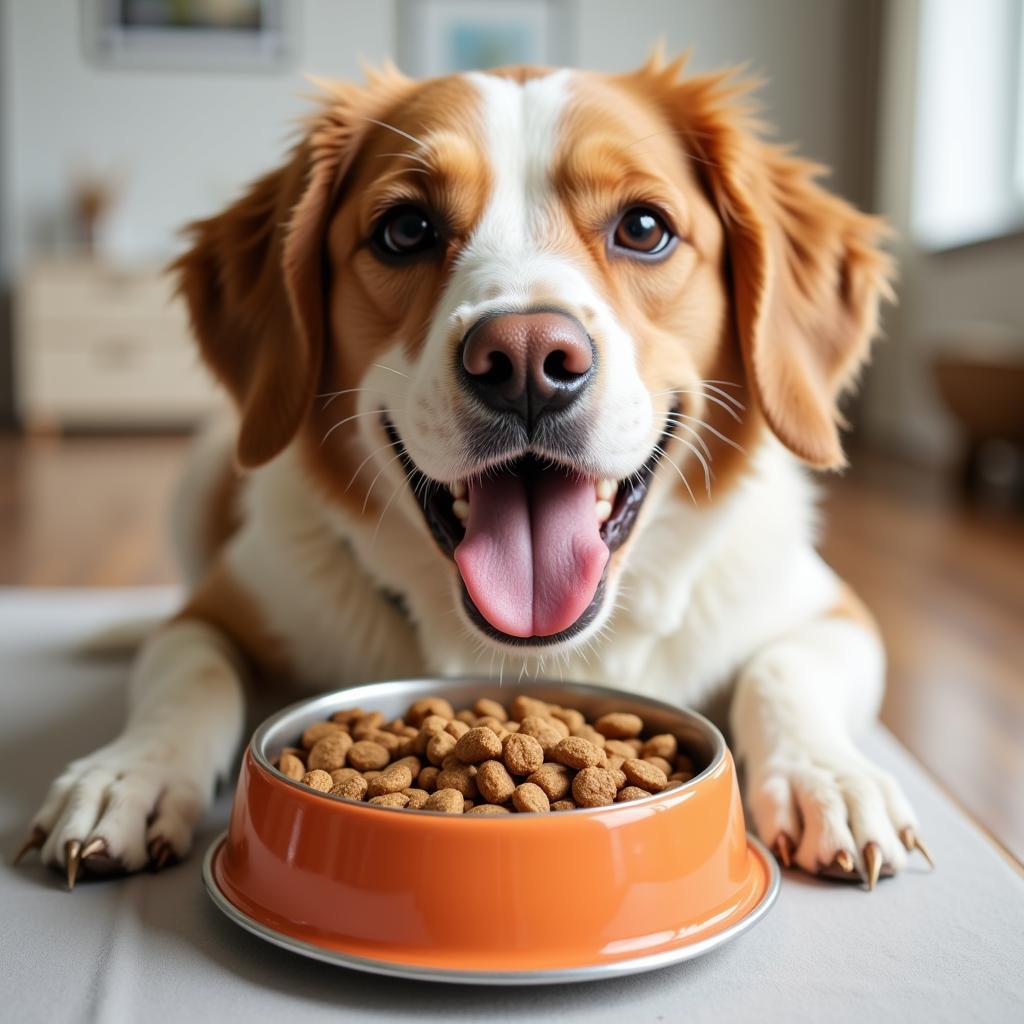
<point x="533" y="556"/>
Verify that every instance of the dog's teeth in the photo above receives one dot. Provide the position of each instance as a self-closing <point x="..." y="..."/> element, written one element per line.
<point x="461" y="509"/>
<point x="458" y="489"/>
<point x="606" y="489"/>
<point x="603" y="509"/>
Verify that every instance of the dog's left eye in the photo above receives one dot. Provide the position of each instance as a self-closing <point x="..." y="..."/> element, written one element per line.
<point x="641" y="230"/>
<point x="404" y="231"/>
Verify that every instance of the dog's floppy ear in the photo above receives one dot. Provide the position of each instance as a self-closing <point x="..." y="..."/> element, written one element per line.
<point x="806" y="269"/>
<point x="254" y="279"/>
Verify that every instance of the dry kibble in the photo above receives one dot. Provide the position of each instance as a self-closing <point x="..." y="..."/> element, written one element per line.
<point x="318" y="779"/>
<point x="522" y="755"/>
<point x="368" y="756"/>
<point x="619" y="749"/>
<point x="429" y="706"/>
<point x="494" y="782"/>
<point x="570" y="716"/>
<point x="663" y="745"/>
<point x="388" y="740"/>
<point x="478" y="744"/>
<point x="417" y="797"/>
<point x="590" y="734"/>
<point x="542" y="730"/>
<point x="291" y="766"/>
<point x="457" y="729"/>
<point x="343" y="774"/>
<point x="575" y="752"/>
<point x="630" y="793"/>
<point x="467" y="716"/>
<point x="594" y="787"/>
<point x="348" y="717"/>
<point x="392" y="780"/>
<point x="680" y="777"/>
<point x="531" y="799"/>
<point x="330" y="752"/>
<point x="371" y="774"/>
<point x="614" y="761"/>
<point x="482" y="809"/>
<point x="522" y="706"/>
<point x="427" y="778"/>
<point x="554" y="779"/>
<point x="645" y="775"/>
<point x="369" y="723"/>
<point x="660" y="762"/>
<point x="490" y="709"/>
<point x="390" y="800"/>
<point x="636" y="743"/>
<point x="353" y="788"/>
<point x="317" y="731"/>
<point x="619" y="725"/>
<point x="683" y="764"/>
<point x="412" y="763"/>
<point x="462" y="778"/>
<point x="449" y="801"/>
<point x="564" y="805"/>
<point x="441" y="744"/>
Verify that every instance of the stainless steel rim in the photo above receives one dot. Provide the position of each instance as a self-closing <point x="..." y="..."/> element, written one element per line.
<point x="594" y="972"/>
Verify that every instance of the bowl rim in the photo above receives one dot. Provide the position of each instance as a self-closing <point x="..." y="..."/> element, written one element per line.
<point x="258" y="742"/>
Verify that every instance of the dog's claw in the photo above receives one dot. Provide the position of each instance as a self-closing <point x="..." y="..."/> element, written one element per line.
<point x="161" y="853"/>
<point x="844" y="861"/>
<point x="912" y="841"/>
<point x="97" y="845"/>
<point x="72" y="857"/>
<point x="873" y="864"/>
<point x="34" y="841"/>
<point x="783" y="849"/>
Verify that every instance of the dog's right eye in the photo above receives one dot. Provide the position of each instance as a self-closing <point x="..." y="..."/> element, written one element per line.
<point x="404" y="231"/>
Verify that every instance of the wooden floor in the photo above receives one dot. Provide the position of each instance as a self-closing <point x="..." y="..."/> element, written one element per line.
<point x="946" y="584"/>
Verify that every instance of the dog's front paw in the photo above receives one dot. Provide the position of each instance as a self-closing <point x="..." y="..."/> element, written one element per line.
<point x="833" y="813"/>
<point x="130" y="805"/>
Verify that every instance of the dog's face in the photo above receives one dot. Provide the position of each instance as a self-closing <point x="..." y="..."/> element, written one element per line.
<point x="541" y="300"/>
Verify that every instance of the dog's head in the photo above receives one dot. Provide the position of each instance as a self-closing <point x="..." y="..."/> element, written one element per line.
<point x="543" y="300"/>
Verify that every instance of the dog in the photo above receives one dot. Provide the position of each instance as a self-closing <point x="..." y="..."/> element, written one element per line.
<point x="528" y="370"/>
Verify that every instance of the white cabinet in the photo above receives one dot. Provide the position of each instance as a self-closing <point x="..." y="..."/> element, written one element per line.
<point x="103" y="348"/>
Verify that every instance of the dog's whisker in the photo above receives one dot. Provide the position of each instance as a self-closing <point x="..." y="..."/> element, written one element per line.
<point x="348" y="419"/>
<point x="384" y="512"/>
<point x="407" y="156"/>
<point x="391" y="369"/>
<point x="390" y="444"/>
<point x="696" y="435"/>
<point x="722" y="437"/>
<point x="662" y="454"/>
<point x="397" y="131"/>
<point x="732" y="399"/>
<point x="369" y="490"/>
<point x="703" y="461"/>
<point x="332" y="395"/>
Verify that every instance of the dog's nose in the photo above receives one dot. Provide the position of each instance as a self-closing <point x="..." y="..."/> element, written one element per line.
<point x="528" y="363"/>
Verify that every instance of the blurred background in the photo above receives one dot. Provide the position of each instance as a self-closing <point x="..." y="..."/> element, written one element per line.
<point x="122" y="119"/>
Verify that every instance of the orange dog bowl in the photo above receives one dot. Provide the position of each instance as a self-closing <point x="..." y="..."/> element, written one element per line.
<point x="521" y="898"/>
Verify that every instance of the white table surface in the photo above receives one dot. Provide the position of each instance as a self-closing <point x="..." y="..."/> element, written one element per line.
<point x="942" y="946"/>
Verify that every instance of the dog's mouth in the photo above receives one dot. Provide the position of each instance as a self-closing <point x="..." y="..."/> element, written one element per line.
<point x="532" y="539"/>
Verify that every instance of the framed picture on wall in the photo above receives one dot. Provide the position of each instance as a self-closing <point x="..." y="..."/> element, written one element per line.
<point x="437" y="37"/>
<point x="214" y="35"/>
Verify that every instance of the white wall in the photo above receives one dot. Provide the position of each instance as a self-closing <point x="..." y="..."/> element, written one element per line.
<point x="184" y="142"/>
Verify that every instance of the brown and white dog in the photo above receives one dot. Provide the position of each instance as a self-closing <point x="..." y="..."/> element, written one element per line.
<point x="527" y="366"/>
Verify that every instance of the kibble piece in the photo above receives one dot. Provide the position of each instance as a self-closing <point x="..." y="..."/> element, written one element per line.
<point x="353" y="788"/>
<point x="441" y="744"/>
<point x="417" y="797"/>
<point x="371" y="774"/>
<point x="554" y="779"/>
<point x="457" y="729"/>
<point x="392" y="780"/>
<point x="449" y="801"/>
<point x="619" y="776"/>
<point x="570" y="716"/>
<point x="680" y="777"/>
<point x="317" y="731"/>
<point x="348" y="717"/>
<point x="530" y="799"/>
<point x="594" y="787"/>
<point x="318" y="779"/>
<point x="390" y="800"/>
<point x="406" y="747"/>
<point x="291" y="767"/>
<point x="522" y="755"/>
<point x="388" y="740"/>
<point x="684" y="764"/>
<point x="343" y="774"/>
<point x="630" y="793"/>
<point x="485" y="809"/>
<point x="368" y="756"/>
<point x="330" y="752"/>
<point x="494" y="782"/>
<point x="614" y="761"/>
<point x="564" y="805"/>
<point x="485" y="708"/>
<point x="467" y="716"/>
<point x="542" y="730"/>
<point x="645" y="775"/>
<point x="659" y="762"/>
<point x="427" y="778"/>
<point x="412" y="763"/>
<point x="369" y="723"/>
<point x="575" y="752"/>
<point x="590" y="734"/>
<point x="523" y="706"/>
<point x="636" y="743"/>
<point x="462" y="778"/>
<point x="663" y="745"/>
<point x="478" y="744"/>
<point x="429" y="706"/>
<point x="619" y="725"/>
<point x="619" y="749"/>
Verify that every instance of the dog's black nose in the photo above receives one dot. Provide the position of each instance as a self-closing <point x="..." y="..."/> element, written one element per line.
<point x="528" y="363"/>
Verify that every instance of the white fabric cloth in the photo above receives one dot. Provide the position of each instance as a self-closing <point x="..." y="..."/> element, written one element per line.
<point x="942" y="946"/>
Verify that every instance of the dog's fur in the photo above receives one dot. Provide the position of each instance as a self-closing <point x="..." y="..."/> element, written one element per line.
<point x="313" y="561"/>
